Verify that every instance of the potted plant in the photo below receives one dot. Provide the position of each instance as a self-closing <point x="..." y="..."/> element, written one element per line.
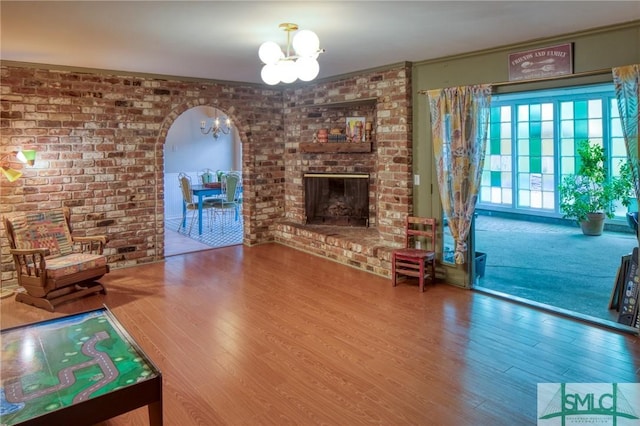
<point x="588" y="195"/>
<point x="626" y="187"/>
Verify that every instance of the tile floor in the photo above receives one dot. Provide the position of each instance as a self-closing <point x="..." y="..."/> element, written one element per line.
<point x="178" y="242"/>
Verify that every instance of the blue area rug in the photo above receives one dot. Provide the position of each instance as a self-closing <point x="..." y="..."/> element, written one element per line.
<point x="219" y="235"/>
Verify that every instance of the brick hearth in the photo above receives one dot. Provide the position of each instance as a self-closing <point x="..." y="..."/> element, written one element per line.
<point x="362" y="248"/>
<point x="384" y="99"/>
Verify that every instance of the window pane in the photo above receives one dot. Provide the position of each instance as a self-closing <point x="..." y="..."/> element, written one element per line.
<point x="548" y="183"/>
<point x="505" y="146"/>
<point x="523" y="181"/>
<point x="507" y="196"/>
<point x="567" y="147"/>
<point x="581" y="129"/>
<point x="613" y="110"/>
<point x="523" y="164"/>
<point x="523" y="130"/>
<point x="505" y="181"/>
<point x="580" y="110"/>
<point x="505" y="130"/>
<point x="523" y="113"/>
<point x="547" y="112"/>
<point x="595" y="128"/>
<point x="535" y="113"/>
<point x="595" y="108"/>
<point x="568" y="166"/>
<point x="548" y="200"/>
<point x="566" y="111"/>
<point x="505" y="111"/>
<point x="547" y="165"/>
<point x="541" y="150"/>
<point x="566" y="129"/>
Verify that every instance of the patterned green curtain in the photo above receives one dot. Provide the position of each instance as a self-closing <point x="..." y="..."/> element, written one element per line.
<point x="626" y="80"/>
<point x="459" y="120"/>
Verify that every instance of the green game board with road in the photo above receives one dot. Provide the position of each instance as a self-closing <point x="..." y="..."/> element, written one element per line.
<point x="53" y="364"/>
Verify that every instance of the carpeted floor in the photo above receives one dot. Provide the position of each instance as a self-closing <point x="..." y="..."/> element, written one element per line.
<point x="551" y="264"/>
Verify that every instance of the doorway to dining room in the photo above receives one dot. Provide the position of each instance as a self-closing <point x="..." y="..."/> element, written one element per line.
<point x="190" y="151"/>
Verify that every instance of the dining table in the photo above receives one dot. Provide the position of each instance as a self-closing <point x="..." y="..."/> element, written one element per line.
<point x="200" y="192"/>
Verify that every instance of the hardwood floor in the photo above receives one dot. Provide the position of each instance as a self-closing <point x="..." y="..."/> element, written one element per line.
<point x="271" y="335"/>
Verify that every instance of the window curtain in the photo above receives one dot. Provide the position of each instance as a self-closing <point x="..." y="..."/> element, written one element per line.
<point x="459" y="120"/>
<point x="626" y="80"/>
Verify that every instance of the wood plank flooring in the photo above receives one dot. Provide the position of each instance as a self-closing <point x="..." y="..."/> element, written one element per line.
<point x="270" y="335"/>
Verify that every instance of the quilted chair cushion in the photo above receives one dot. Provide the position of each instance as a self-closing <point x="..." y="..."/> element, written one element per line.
<point x="76" y="262"/>
<point x="43" y="230"/>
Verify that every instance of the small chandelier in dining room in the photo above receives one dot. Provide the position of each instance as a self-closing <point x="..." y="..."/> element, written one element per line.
<point x="216" y="127"/>
<point x="289" y="66"/>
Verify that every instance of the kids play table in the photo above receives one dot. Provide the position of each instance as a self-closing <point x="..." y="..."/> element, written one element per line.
<point x="79" y="369"/>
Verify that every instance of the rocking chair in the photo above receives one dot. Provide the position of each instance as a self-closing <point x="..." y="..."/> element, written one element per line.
<point x="52" y="266"/>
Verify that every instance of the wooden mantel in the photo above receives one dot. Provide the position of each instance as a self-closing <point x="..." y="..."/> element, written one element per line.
<point x="314" y="147"/>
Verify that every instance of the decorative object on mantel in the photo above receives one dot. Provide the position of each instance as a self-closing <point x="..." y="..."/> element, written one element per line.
<point x="215" y="128"/>
<point x="322" y="136"/>
<point x="355" y="129"/>
<point x="368" y="129"/>
<point x="28" y="156"/>
<point x="287" y="67"/>
<point x="337" y="135"/>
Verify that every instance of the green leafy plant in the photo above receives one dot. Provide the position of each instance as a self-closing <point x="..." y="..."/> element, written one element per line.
<point x="590" y="190"/>
<point x="625" y="183"/>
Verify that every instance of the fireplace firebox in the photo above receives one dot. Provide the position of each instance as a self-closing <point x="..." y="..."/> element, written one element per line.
<point x="336" y="199"/>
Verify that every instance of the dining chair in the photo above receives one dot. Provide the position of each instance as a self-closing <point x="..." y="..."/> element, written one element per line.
<point x="206" y="176"/>
<point x="190" y="203"/>
<point x="418" y="257"/>
<point x="228" y="202"/>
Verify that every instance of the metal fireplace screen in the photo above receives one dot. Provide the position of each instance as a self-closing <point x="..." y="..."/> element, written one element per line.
<point x="336" y="199"/>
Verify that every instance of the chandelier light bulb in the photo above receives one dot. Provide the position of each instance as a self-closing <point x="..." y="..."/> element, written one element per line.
<point x="307" y="68"/>
<point x="287" y="70"/>
<point x="270" y="52"/>
<point x="270" y="74"/>
<point x="306" y="43"/>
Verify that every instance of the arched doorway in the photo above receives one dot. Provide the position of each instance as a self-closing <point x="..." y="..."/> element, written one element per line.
<point x="187" y="150"/>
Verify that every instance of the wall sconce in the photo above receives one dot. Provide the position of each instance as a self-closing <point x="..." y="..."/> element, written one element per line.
<point x="216" y="128"/>
<point x="28" y="156"/>
<point x="287" y="67"/>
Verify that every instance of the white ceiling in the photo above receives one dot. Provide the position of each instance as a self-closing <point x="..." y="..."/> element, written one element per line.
<point x="220" y="39"/>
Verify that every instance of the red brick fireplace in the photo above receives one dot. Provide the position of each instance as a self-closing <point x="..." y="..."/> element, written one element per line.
<point x="336" y="199"/>
<point x="383" y="98"/>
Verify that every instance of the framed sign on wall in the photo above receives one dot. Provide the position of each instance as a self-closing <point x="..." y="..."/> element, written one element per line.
<point x="544" y="62"/>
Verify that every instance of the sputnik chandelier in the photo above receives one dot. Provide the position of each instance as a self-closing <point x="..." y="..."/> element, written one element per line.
<point x="287" y="67"/>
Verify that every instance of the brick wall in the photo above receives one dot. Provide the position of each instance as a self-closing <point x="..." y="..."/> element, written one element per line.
<point x="100" y="139"/>
<point x="390" y="162"/>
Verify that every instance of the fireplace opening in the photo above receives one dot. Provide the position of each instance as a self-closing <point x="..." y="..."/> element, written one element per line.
<point x="336" y="199"/>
